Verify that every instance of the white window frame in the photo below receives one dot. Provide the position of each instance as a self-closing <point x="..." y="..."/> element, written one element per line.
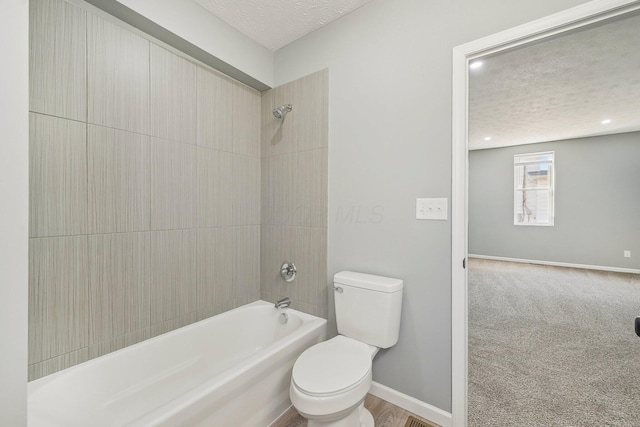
<point x="550" y="189"/>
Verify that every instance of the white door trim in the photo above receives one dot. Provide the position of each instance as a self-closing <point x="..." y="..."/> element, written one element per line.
<point x="561" y="22"/>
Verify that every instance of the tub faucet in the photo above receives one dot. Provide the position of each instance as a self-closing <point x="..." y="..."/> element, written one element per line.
<point x="283" y="303"/>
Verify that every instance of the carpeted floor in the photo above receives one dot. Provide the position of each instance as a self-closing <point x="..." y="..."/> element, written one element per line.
<point x="552" y="346"/>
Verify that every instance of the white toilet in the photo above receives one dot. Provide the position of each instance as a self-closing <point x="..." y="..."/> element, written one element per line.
<point x="330" y="380"/>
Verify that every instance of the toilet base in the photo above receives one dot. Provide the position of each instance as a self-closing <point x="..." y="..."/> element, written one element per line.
<point x="359" y="417"/>
<point x="366" y="419"/>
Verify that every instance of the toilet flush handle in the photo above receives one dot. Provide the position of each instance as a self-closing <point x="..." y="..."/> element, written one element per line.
<point x="339" y="289"/>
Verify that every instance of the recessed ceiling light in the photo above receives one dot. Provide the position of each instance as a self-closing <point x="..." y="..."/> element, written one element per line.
<point x="487" y="138"/>
<point x="606" y="121"/>
<point x="475" y="65"/>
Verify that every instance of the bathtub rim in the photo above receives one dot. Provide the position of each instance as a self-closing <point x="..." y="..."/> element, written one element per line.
<point x="311" y="326"/>
<point x="317" y="325"/>
<point x="258" y="303"/>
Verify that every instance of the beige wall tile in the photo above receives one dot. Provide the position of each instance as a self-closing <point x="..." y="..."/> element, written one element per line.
<point x="306" y="127"/>
<point x="270" y="132"/>
<point x="128" y="283"/>
<point x="104" y="347"/>
<point x="246" y="190"/>
<point x="57" y="59"/>
<point x="311" y="254"/>
<point x="309" y="95"/>
<point x="311" y="188"/>
<point x="246" y="120"/>
<point x="206" y="312"/>
<point x="55" y="364"/>
<point x="119" y="268"/>
<point x="174" y="184"/>
<point x="119" y="192"/>
<point x="57" y="177"/>
<point x="173" y="324"/>
<point x="277" y="244"/>
<point x="58" y="304"/>
<point x="215" y="187"/>
<point x="266" y="295"/>
<point x="173" y="96"/>
<point x="294" y="192"/>
<point x="118" y="76"/>
<point x="214" y="110"/>
<point x="277" y="134"/>
<point x="246" y="278"/>
<point x="314" y="310"/>
<point x="278" y="191"/>
<point x="216" y="252"/>
<point x="172" y="284"/>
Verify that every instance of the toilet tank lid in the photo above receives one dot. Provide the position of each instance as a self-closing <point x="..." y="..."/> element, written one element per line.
<point x="368" y="281"/>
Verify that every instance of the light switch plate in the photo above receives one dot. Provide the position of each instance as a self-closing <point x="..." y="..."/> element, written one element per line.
<point x="432" y="208"/>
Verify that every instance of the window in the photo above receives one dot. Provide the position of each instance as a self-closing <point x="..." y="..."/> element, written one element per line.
<point x="533" y="185"/>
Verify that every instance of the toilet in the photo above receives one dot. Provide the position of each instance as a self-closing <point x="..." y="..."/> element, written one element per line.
<point x="331" y="379"/>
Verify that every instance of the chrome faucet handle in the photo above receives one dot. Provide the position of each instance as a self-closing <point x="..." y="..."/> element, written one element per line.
<point x="288" y="271"/>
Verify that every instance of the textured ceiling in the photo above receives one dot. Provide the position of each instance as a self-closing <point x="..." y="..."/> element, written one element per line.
<point x="559" y="89"/>
<point x="276" y="23"/>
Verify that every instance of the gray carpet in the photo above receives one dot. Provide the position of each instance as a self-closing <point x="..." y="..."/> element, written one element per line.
<point x="552" y="346"/>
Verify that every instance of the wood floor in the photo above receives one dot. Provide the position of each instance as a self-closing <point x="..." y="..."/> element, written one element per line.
<point x="384" y="414"/>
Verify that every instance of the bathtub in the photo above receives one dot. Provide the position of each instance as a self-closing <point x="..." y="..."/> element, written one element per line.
<point x="229" y="370"/>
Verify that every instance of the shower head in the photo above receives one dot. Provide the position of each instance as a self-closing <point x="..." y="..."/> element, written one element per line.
<point x="282" y="111"/>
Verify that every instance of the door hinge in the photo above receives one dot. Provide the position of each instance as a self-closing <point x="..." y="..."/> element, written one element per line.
<point x="464" y="263"/>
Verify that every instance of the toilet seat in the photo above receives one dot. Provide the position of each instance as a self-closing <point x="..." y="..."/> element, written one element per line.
<point x="332" y="367"/>
<point x="331" y="378"/>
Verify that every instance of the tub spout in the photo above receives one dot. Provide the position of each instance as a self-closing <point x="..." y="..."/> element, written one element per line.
<point x="283" y="303"/>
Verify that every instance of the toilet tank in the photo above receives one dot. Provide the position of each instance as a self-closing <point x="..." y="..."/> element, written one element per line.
<point x="368" y="307"/>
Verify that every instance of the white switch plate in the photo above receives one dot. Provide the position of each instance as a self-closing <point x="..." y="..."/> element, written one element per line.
<point x="431" y="208"/>
<point x="627" y="254"/>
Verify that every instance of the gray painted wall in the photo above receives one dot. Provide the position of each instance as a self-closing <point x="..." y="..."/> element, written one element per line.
<point x="390" y="142"/>
<point x="597" y="203"/>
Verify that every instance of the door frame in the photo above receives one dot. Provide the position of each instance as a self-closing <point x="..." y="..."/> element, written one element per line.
<point x="570" y="19"/>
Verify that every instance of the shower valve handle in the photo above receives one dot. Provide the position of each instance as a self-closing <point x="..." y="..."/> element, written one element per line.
<point x="288" y="271"/>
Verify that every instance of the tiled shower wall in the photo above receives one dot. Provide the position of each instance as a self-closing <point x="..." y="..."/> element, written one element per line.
<point x="294" y="193"/>
<point x="144" y="188"/>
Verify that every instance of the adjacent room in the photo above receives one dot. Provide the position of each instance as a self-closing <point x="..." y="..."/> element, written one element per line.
<point x="554" y="287"/>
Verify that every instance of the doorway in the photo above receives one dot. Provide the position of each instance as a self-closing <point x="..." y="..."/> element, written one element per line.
<point x="554" y="25"/>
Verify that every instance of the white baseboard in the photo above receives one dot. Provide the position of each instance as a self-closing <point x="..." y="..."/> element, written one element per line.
<point x="422" y="409"/>
<point x="558" y="264"/>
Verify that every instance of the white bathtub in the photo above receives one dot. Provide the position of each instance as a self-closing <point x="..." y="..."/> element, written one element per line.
<point x="229" y="370"/>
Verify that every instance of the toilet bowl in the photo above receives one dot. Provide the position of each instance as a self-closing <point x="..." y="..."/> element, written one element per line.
<point x="330" y="380"/>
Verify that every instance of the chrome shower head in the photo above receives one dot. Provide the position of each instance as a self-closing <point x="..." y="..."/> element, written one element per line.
<point x="282" y="111"/>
